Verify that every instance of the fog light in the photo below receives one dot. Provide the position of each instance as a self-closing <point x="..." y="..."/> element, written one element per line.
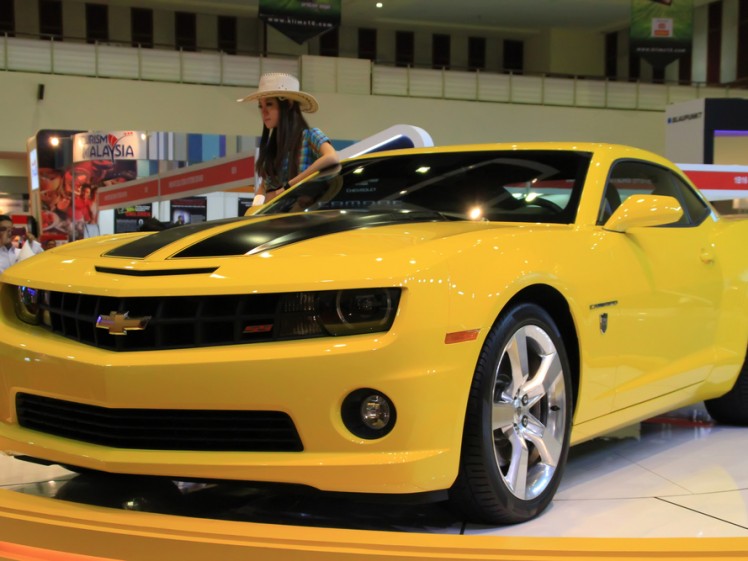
<point x="375" y="412"/>
<point x="368" y="413"/>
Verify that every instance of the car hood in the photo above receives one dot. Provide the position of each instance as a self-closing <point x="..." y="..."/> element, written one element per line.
<point x="321" y="249"/>
<point x="248" y="237"/>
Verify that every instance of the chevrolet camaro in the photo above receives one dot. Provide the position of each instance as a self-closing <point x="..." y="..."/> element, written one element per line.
<point x="439" y="323"/>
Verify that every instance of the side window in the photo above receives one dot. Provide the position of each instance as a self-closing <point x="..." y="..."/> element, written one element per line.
<point x="631" y="177"/>
<point x="693" y="205"/>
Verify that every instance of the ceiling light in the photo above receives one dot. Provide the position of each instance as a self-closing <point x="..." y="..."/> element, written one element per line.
<point x="379" y="4"/>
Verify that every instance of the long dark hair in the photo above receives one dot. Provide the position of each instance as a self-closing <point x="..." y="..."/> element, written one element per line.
<point x="284" y="141"/>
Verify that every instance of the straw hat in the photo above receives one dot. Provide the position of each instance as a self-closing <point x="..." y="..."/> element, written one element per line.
<point x="283" y="86"/>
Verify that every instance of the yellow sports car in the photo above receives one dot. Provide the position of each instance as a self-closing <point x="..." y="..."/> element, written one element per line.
<point x="441" y="321"/>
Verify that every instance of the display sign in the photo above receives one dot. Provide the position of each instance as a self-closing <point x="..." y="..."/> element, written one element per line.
<point x="300" y="20"/>
<point x="233" y="172"/>
<point x="243" y="205"/>
<point x="128" y="193"/>
<point x="34" y="169"/>
<point x="684" y="131"/>
<point x="131" y="218"/>
<point x="217" y="175"/>
<point x="718" y="182"/>
<point x="707" y="131"/>
<point x="661" y="31"/>
<point x="189" y="210"/>
<point x="118" y="145"/>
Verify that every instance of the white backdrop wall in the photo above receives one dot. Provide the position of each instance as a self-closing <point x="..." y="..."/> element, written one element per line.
<point x="112" y="104"/>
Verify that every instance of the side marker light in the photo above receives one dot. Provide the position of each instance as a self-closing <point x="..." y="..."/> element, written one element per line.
<point x="461" y="336"/>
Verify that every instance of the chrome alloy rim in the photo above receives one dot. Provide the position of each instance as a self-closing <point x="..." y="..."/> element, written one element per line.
<point x="528" y="415"/>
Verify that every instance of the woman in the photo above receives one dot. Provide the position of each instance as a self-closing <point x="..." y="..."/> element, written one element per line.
<point x="290" y="150"/>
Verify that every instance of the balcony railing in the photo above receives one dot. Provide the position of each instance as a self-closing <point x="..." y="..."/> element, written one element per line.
<point x="343" y="75"/>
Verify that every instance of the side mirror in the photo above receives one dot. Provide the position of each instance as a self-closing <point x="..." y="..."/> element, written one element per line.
<point x="644" y="210"/>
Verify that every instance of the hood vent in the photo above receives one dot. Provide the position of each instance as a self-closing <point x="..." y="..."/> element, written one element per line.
<point x="156" y="273"/>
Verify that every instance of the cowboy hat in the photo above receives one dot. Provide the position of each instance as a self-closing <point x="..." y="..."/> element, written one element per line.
<point x="283" y="86"/>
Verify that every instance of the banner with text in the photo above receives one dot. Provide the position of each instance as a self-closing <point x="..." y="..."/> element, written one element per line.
<point x="661" y="30"/>
<point x="301" y="20"/>
<point x="132" y="218"/>
<point x="189" y="210"/>
<point x="110" y="146"/>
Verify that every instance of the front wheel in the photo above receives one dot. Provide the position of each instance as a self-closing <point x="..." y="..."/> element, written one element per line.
<point x="518" y="421"/>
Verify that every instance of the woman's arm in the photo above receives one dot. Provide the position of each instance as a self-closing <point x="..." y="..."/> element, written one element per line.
<point x="328" y="158"/>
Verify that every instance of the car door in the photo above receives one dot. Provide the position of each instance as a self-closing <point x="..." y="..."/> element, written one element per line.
<point x="667" y="311"/>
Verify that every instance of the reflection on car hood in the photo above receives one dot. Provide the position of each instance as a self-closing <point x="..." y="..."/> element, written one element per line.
<point x="257" y="235"/>
<point x="315" y="250"/>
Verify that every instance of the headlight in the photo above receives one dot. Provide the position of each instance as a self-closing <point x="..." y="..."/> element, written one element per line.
<point x="27" y="304"/>
<point x="338" y="312"/>
<point x="347" y="312"/>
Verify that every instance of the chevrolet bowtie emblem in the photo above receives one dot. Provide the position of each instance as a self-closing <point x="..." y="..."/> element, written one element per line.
<point x="120" y="324"/>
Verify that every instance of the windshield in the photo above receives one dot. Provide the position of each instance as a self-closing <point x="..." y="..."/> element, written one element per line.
<point x="512" y="186"/>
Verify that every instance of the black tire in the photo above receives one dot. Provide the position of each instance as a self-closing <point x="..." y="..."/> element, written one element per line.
<point x="732" y="408"/>
<point x="509" y="473"/>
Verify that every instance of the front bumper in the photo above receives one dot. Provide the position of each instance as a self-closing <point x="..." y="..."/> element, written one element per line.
<point x="427" y="380"/>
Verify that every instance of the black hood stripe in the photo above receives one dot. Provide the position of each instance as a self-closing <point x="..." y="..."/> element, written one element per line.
<point x="262" y="235"/>
<point x="143" y="247"/>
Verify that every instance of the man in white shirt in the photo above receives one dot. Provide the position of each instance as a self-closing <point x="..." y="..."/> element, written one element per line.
<point x="9" y="255"/>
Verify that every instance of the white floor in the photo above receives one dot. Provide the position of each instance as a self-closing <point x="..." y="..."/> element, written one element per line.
<point x="675" y="476"/>
<point x="679" y="475"/>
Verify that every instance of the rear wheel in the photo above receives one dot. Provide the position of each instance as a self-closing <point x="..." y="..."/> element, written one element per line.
<point x="732" y="408"/>
<point x="518" y="420"/>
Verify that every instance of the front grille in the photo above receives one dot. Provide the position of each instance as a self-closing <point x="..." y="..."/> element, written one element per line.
<point x="176" y="322"/>
<point x="160" y="429"/>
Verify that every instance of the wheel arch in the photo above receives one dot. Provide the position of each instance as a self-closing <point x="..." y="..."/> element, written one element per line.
<point x="481" y="491"/>
<point x="553" y="302"/>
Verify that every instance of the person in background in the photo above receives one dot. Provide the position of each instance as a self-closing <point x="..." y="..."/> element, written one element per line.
<point x="290" y="150"/>
<point x="8" y="254"/>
